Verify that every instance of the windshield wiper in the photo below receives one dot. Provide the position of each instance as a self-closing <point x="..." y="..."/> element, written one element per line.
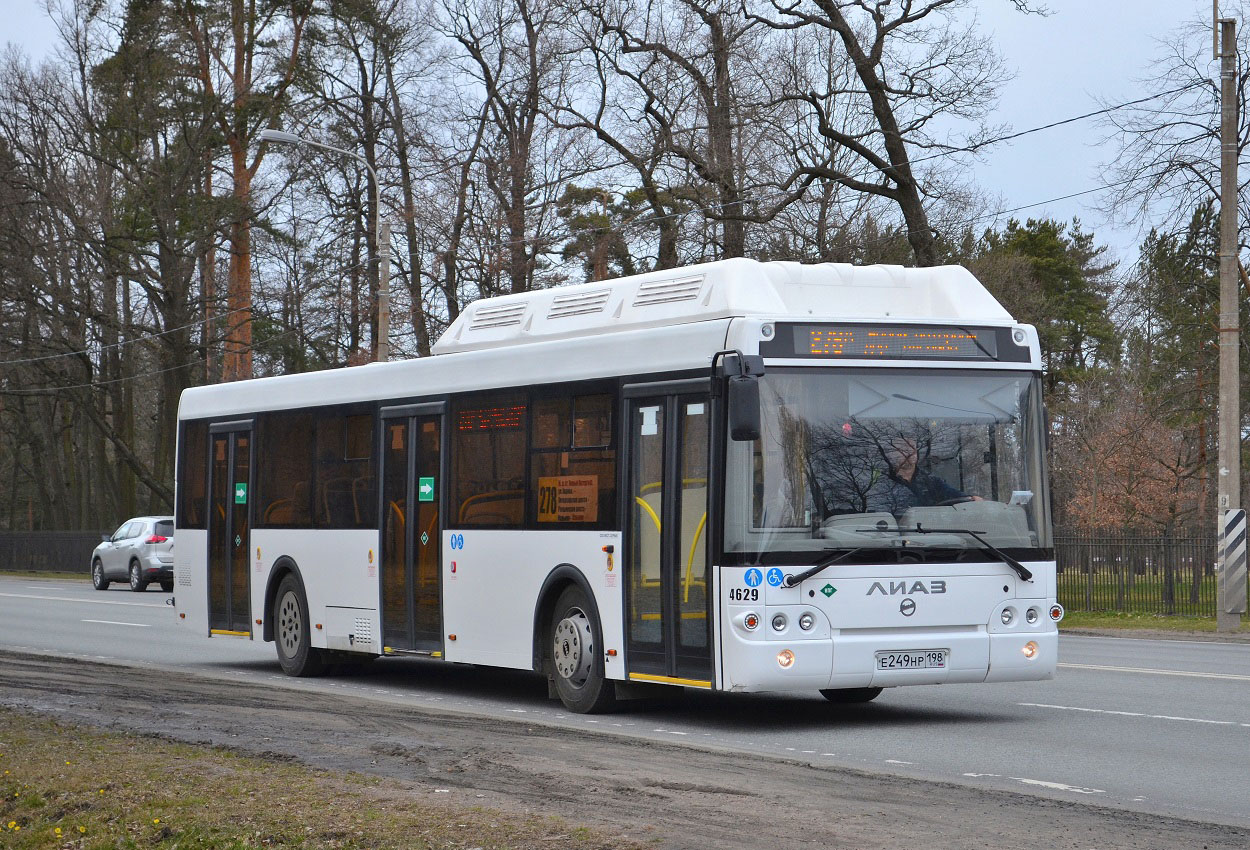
<point x="1021" y="569"/>
<point x="828" y="561"/>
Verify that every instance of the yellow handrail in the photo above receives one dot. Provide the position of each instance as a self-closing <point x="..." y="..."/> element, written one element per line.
<point x="690" y="563"/>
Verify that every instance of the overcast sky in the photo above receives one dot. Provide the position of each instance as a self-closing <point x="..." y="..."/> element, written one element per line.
<point x="1063" y="63"/>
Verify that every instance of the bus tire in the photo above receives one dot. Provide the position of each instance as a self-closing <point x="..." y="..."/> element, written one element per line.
<point x="575" y="647"/>
<point x="850" y="696"/>
<point x="292" y="635"/>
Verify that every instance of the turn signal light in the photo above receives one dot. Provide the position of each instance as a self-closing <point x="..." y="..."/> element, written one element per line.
<point x="1029" y="649"/>
<point x="1056" y="612"/>
<point x="785" y="658"/>
<point x="751" y="621"/>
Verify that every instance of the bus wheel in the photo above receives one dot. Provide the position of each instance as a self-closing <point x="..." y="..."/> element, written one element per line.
<point x="848" y="696"/>
<point x="576" y="661"/>
<point x="291" y="633"/>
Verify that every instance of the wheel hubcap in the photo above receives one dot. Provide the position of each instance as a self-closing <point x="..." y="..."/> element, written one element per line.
<point x="572" y="650"/>
<point x="290" y="625"/>
<point x="97" y="574"/>
<point x="134" y="576"/>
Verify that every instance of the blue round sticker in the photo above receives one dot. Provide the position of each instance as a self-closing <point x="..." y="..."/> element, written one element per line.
<point x="754" y="577"/>
<point x="776" y="577"/>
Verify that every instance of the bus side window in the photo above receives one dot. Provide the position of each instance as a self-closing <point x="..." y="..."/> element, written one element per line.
<point x="283" y="470"/>
<point x="572" y="462"/>
<point x="489" y="447"/>
<point x="192" y="475"/>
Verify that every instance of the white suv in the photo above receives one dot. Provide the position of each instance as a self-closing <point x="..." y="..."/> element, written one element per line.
<point x="140" y="551"/>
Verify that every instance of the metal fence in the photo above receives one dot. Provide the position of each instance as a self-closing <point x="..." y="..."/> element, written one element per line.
<point x="1137" y="573"/>
<point x="47" y="551"/>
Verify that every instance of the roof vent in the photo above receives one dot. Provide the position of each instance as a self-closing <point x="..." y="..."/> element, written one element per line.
<point x="668" y="291"/>
<point x="498" y="316"/>
<point x="579" y="303"/>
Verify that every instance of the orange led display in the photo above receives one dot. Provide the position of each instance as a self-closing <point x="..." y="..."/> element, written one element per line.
<point x="491" y="418"/>
<point x="895" y="342"/>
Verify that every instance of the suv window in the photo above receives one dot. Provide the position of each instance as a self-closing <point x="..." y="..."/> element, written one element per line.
<point x="164" y="528"/>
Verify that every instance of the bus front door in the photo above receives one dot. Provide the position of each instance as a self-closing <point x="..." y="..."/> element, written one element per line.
<point x="668" y="623"/>
<point x="411" y="528"/>
<point x="229" y="596"/>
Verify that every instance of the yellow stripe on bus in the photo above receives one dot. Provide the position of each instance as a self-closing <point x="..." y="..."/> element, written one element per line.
<point x="228" y="632"/>
<point x="670" y="680"/>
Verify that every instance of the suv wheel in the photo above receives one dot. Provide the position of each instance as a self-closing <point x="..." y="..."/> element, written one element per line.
<point x="98" y="581"/>
<point x="137" y="584"/>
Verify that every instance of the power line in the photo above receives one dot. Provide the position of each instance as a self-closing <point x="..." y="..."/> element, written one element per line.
<point x="93" y="384"/>
<point x="103" y="348"/>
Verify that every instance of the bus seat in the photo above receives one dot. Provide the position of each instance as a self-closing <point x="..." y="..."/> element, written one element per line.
<point x="500" y="507"/>
<point x="279" y="512"/>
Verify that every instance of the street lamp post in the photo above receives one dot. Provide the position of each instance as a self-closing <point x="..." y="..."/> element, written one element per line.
<point x="382" y="345"/>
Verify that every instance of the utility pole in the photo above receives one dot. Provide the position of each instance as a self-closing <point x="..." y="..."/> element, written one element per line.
<point x="1232" y="524"/>
<point x="382" y="345"/>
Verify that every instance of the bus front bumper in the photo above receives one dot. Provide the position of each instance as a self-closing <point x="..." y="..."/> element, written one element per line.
<point x="850" y="659"/>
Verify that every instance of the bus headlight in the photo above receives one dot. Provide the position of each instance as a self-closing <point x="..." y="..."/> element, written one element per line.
<point x="779" y="622"/>
<point x="1007" y="616"/>
<point x="807" y="620"/>
<point x="1031" y="616"/>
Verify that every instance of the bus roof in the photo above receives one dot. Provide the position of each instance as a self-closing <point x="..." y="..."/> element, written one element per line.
<point x="659" y="322"/>
<point x="721" y="290"/>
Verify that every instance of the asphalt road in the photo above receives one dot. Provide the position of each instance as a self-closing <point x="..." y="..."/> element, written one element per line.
<point x="1152" y="726"/>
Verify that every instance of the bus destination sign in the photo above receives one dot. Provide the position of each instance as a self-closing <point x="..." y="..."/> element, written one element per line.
<point x="894" y="342"/>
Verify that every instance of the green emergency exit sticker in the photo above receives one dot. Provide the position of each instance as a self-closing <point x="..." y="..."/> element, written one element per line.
<point x="425" y="489"/>
<point x="240" y="493"/>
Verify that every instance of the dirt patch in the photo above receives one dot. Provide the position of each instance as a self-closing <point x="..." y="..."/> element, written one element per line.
<point x="671" y="796"/>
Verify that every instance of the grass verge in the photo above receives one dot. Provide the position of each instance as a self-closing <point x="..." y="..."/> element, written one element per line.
<point x="68" y="787"/>
<point x="1150" y="622"/>
<point x="81" y="576"/>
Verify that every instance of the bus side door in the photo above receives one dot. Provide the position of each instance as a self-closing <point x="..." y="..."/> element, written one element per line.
<point x="668" y="622"/>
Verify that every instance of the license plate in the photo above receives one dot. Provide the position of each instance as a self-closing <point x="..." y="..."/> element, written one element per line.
<point x="915" y="659"/>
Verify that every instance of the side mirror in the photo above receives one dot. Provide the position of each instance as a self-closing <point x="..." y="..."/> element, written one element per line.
<point x="106" y="538"/>
<point x="743" y="402"/>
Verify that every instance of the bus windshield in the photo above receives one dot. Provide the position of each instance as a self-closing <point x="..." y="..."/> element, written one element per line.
<point x="906" y="460"/>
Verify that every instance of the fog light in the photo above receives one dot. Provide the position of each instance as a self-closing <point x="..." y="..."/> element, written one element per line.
<point x="1007" y="616"/>
<point x="751" y="621"/>
<point x="785" y="658"/>
<point x="806" y="621"/>
<point x="1056" y="612"/>
<point x="1031" y="616"/>
<point x="779" y="622"/>
<point x="1029" y="649"/>
<point x="1018" y="336"/>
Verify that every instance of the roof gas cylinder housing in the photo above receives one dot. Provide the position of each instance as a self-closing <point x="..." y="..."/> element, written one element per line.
<point x="722" y="290"/>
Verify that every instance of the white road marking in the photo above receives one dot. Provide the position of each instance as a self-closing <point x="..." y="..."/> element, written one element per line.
<point x="1134" y="714"/>
<point x="1231" y="676"/>
<point x="896" y="761"/>
<point x="87" y="601"/>
<point x="1058" y="786"/>
<point x="115" y="623"/>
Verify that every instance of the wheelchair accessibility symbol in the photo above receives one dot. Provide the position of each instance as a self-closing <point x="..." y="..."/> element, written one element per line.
<point x="775" y="577"/>
<point x="754" y="577"/>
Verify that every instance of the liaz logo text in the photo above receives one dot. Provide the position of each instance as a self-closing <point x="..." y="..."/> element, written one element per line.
<point x="902" y="587"/>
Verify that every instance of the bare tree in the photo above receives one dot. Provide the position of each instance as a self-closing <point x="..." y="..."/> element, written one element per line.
<point x="914" y="63"/>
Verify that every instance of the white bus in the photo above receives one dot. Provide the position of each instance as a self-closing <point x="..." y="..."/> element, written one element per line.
<point x="738" y="476"/>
